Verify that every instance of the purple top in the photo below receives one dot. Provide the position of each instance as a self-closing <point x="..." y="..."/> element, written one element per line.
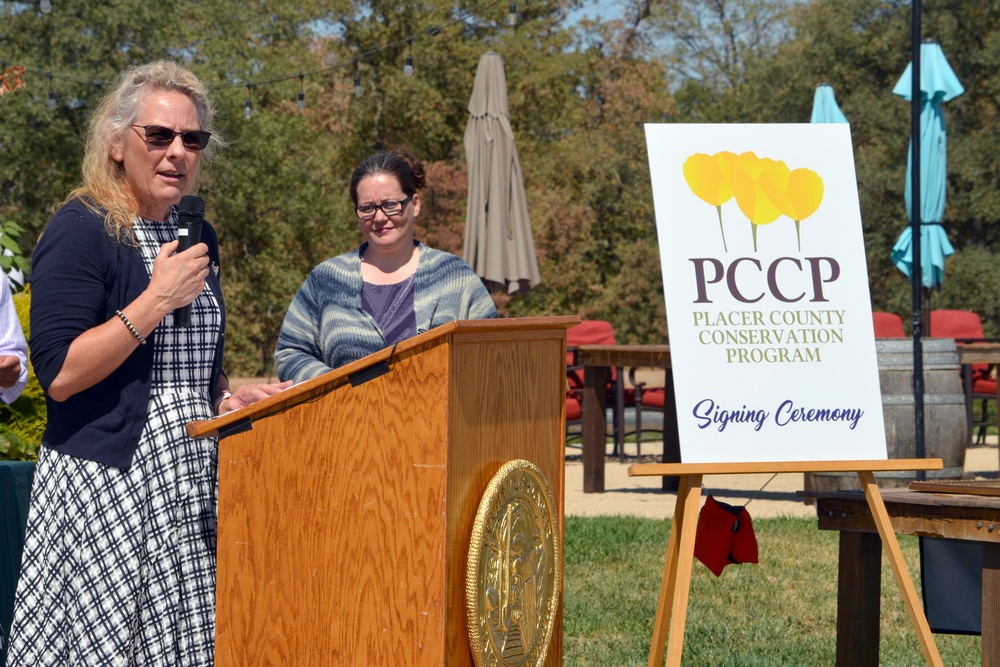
<point x="392" y="308"/>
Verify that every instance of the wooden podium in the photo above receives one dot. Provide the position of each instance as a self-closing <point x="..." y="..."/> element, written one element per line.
<point x="346" y="503"/>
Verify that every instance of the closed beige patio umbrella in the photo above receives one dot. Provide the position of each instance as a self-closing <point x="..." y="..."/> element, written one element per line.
<point x="498" y="241"/>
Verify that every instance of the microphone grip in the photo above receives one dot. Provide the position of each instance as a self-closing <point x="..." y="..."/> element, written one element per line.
<point x="188" y="236"/>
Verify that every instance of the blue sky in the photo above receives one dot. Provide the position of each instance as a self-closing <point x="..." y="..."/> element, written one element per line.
<point x="593" y="9"/>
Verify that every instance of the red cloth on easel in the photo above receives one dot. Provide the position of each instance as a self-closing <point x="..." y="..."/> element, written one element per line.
<point x="724" y="536"/>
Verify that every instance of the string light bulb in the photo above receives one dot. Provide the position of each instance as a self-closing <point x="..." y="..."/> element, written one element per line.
<point x="248" y="107"/>
<point x="408" y="67"/>
<point x="359" y="90"/>
<point x="45" y="6"/>
<point x="512" y="14"/>
<point x="301" y="103"/>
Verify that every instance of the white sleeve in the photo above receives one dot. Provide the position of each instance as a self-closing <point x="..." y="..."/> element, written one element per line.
<point x="12" y="341"/>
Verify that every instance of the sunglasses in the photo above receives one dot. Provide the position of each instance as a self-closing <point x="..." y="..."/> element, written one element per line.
<point x="161" y="137"/>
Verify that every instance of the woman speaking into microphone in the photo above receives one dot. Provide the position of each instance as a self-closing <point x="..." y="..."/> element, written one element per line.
<point x="119" y="558"/>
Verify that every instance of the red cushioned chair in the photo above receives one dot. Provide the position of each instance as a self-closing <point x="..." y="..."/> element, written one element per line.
<point x="574" y="398"/>
<point x="574" y="414"/>
<point x="888" y="325"/>
<point x="594" y="332"/>
<point x="966" y="326"/>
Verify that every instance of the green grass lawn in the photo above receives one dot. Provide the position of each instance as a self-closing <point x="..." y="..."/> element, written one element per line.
<point x="782" y="611"/>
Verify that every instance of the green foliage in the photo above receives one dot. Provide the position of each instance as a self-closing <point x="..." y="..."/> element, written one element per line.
<point x="277" y="217"/>
<point x="971" y="282"/>
<point x="579" y="96"/>
<point x="278" y="195"/>
<point x="585" y="165"/>
<point x="11" y="256"/>
<point x="856" y="46"/>
<point x="712" y="45"/>
<point x="23" y="422"/>
<point x="861" y="47"/>
<point x="270" y="168"/>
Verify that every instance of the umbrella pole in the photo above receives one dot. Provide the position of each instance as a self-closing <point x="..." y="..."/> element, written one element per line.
<point x="926" y="319"/>
<point x="916" y="274"/>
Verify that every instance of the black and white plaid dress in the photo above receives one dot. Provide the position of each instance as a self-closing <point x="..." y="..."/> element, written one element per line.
<point x="119" y="566"/>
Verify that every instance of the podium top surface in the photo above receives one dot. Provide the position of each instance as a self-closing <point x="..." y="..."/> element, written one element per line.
<point x="493" y="329"/>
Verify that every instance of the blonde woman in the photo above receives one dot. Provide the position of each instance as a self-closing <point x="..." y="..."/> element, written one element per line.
<point x="119" y="559"/>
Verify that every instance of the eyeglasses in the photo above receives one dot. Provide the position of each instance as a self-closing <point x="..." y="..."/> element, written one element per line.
<point x="390" y="208"/>
<point x="161" y="137"/>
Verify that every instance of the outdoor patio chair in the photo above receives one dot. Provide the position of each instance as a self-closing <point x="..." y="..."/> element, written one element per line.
<point x="574" y="414"/>
<point x="647" y="399"/>
<point x="965" y="326"/>
<point x="888" y="325"/>
<point x="594" y="332"/>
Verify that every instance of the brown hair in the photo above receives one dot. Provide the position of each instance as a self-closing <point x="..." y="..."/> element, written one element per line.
<point x="406" y="168"/>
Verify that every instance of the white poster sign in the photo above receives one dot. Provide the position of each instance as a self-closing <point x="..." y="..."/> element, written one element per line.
<point x="766" y="288"/>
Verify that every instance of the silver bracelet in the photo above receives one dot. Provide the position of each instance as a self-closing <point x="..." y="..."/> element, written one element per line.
<point x="132" y="329"/>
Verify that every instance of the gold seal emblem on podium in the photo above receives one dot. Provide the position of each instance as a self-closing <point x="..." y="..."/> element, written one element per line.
<point x="514" y="569"/>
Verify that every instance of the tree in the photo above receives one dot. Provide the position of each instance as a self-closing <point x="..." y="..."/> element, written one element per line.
<point x="733" y="70"/>
<point x="265" y="196"/>
<point x="708" y="49"/>
<point x="579" y="97"/>
<point x="597" y="230"/>
<point x="861" y="47"/>
<point x="577" y="109"/>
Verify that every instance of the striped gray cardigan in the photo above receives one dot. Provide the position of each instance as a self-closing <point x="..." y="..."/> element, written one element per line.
<point x="326" y="327"/>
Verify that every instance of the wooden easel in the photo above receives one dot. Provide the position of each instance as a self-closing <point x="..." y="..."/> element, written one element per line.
<point x="676" y="585"/>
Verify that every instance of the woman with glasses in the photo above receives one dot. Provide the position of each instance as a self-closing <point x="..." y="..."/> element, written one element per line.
<point x="390" y="288"/>
<point x="119" y="558"/>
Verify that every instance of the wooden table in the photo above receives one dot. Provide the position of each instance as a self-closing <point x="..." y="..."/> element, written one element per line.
<point x="596" y="360"/>
<point x="954" y="516"/>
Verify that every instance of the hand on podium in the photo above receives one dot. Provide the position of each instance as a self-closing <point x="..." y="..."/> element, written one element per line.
<point x="247" y="394"/>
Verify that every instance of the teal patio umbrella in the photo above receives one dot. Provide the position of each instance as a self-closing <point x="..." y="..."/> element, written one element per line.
<point x="938" y="84"/>
<point x="825" y="109"/>
<point x="927" y="83"/>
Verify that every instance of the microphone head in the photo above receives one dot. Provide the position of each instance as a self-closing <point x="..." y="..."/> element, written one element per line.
<point x="191" y="207"/>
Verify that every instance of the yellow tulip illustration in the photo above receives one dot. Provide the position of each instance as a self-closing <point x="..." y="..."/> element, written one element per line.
<point x="709" y="181"/>
<point x="750" y="196"/>
<point x="797" y="194"/>
<point x="805" y="190"/>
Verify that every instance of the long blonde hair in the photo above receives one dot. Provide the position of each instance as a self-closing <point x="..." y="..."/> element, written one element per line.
<point x="103" y="189"/>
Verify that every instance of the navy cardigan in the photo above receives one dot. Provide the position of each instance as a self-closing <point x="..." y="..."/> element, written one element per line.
<point x="80" y="276"/>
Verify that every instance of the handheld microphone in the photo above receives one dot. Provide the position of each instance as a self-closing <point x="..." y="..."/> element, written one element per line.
<point x="190" y="215"/>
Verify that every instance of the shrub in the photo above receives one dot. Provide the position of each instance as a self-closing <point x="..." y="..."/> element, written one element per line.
<point x="23" y="422"/>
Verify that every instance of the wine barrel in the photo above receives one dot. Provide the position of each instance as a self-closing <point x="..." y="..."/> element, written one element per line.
<point x="946" y="431"/>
